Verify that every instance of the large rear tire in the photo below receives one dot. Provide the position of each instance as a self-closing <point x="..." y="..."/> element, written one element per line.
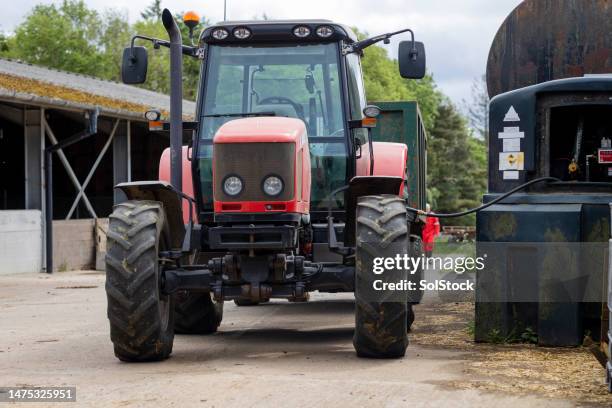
<point x="141" y="318"/>
<point x="381" y="323"/>
<point x="196" y="313"/>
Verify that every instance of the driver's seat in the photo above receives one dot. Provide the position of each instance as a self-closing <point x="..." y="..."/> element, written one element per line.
<point x="280" y="109"/>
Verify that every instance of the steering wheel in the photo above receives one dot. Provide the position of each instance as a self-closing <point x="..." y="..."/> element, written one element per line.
<point x="337" y="132"/>
<point x="282" y="100"/>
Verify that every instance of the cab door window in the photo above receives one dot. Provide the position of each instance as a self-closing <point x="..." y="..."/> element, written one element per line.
<point x="357" y="102"/>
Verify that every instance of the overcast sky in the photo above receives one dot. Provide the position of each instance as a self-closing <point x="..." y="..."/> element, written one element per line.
<point x="457" y="34"/>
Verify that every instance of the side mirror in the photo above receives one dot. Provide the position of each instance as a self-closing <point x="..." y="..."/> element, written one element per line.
<point x="134" y="65"/>
<point x="411" y="59"/>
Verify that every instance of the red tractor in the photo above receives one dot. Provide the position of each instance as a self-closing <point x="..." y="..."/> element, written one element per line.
<point x="281" y="192"/>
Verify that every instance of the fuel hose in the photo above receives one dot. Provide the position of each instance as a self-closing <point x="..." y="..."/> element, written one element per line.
<point x="490" y="203"/>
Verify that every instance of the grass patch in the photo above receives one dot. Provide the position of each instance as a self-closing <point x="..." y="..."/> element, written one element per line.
<point x="443" y="247"/>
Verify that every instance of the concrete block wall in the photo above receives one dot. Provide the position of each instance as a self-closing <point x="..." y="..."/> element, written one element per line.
<point x="21" y="241"/>
<point x="100" y="235"/>
<point x="74" y="245"/>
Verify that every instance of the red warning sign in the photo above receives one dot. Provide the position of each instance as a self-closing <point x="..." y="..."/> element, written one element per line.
<point x="604" y="156"/>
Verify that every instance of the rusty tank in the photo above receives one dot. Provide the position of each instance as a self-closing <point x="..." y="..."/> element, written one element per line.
<point x="542" y="40"/>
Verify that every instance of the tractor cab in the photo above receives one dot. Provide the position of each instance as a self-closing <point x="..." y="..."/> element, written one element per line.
<point x="302" y="69"/>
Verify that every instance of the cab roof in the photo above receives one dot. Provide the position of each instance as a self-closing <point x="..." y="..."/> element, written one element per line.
<point x="269" y="31"/>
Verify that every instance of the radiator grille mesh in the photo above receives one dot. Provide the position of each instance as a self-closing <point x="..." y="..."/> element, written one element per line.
<point x="252" y="162"/>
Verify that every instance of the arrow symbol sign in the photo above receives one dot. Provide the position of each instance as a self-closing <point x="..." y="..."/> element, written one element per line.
<point x="512" y="116"/>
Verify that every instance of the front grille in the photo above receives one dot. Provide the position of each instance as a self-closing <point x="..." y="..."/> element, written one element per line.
<point x="252" y="162"/>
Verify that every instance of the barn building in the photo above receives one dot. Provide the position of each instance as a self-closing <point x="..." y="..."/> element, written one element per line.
<point x="51" y="113"/>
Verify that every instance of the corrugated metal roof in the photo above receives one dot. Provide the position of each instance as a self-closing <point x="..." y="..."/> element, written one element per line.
<point x="38" y="85"/>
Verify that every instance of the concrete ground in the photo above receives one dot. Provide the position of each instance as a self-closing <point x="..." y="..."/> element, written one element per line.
<point x="55" y="333"/>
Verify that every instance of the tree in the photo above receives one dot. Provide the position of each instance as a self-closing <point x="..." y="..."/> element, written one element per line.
<point x="4" y="46"/>
<point x="478" y="108"/>
<point x="153" y="11"/>
<point x="74" y="38"/>
<point x="63" y="37"/>
<point x="456" y="165"/>
<point x="115" y="36"/>
<point x="158" y="74"/>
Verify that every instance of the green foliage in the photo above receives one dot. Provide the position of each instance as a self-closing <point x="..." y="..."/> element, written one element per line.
<point x="444" y="247"/>
<point x="471" y="328"/>
<point x="456" y="165"/>
<point x="60" y="37"/>
<point x="494" y="336"/>
<point x="75" y="38"/>
<point x="4" y="46"/>
<point x="158" y="74"/>
<point x="529" y="336"/>
<point x="116" y="33"/>
<point x="70" y="37"/>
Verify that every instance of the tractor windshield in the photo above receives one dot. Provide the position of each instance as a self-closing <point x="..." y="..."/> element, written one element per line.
<point x="299" y="81"/>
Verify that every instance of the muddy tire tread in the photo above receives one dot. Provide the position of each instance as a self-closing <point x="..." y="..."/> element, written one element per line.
<point x="135" y="228"/>
<point x="196" y="313"/>
<point x="380" y="327"/>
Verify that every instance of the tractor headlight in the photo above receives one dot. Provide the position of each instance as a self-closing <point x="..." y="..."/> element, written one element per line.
<point x="232" y="185"/>
<point x="220" y="34"/>
<point x="273" y="185"/>
<point x="242" y="33"/>
<point x="301" y="31"/>
<point x="324" y="31"/>
<point x="152" y="115"/>
<point x="371" y="111"/>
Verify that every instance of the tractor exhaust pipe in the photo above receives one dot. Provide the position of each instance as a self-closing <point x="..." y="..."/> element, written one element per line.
<point x="176" y="99"/>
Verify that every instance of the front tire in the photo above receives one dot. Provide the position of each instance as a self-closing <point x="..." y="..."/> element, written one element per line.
<point x="249" y="302"/>
<point x="196" y="313"/>
<point x="141" y="318"/>
<point x="409" y="317"/>
<point x="416" y="251"/>
<point x="245" y="302"/>
<point x="380" y="325"/>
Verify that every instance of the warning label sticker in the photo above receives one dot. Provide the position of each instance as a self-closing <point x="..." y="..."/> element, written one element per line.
<point x="512" y="145"/>
<point x="511" y="175"/>
<point x="511" y="133"/>
<point x="604" y="156"/>
<point x="512" y="161"/>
